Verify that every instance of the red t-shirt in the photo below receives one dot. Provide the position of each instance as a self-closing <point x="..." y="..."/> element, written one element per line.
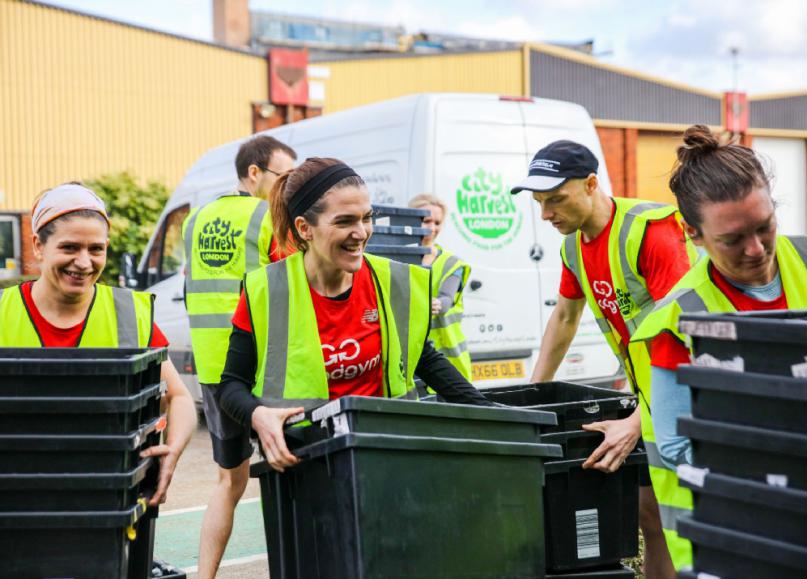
<point x="55" y="337"/>
<point x="663" y="260"/>
<point x="350" y="334"/>
<point x="668" y="352"/>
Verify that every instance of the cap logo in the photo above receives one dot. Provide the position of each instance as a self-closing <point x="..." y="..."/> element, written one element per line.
<point x="544" y="164"/>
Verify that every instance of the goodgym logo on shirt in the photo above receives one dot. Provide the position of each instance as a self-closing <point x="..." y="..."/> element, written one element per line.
<point x="347" y="351"/>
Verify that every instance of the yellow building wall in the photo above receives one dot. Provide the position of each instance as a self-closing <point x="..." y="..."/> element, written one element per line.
<point x="81" y="96"/>
<point x="352" y="83"/>
<point x="655" y="158"/>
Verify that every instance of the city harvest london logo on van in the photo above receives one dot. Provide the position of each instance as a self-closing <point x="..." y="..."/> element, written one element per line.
<point x="218" y="243"/>
<point x="486" y="214"/>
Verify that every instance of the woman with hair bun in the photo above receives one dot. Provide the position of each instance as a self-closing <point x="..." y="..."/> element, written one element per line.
<point x="724" y="195"/>
<point x="66" y="307"/>
<point x="330" y="320"/>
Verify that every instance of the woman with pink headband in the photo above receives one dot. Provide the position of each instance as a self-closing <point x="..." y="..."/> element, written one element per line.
<point x="66" y="307"/>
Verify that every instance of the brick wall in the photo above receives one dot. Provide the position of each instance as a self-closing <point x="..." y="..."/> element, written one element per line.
<point x="619" y="148"/>
<point x="29" y="265"/>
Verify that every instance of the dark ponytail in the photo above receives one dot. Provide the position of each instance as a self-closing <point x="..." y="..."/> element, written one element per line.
<point x="712" y="169"/>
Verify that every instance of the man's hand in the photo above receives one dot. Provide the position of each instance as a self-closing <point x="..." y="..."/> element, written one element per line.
<point x="620" y="439"/>
<point x="436" y="307"/>
<point x="168" y="463"/>
<point x="268" y="423"/>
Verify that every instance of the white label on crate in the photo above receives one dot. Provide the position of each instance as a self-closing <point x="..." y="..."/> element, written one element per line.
<point x="382" y="221"/>
<point x="719" y="330"/>
<point x="340" y="425"/>
<point x="588" y="533"/>
<point x="329" y="409"/>
<point x="736" y="364"/>
<point x="776" y="480"/>
<point x="707" y="576"/>
<point x="408" y="229"/>
<point x="692" y="474"/>
<point x="295" y="418"/>
<point x="800" y="370"/>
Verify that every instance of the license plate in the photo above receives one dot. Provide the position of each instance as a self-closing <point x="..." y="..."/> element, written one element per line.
<point x="500" y="370"/>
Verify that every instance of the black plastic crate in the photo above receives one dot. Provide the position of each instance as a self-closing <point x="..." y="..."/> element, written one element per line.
<point x="768" y="342"/>
<point x="78" y="371"/>
<point x="619" y="572"/>
<point x="74" y="544"/>
<point x="372" y="415"/>
<point x="753" y="399"/>
<point x="398" y="235"/>
<point x="79" y="414"/>
<point x="730" y="554"/>
<point x="748" y="452"/>
<point x="163" y="570"/>
<point x="373" y="506"/>
<point x="398" y="216"/>
<point x="576" y="444"/>
<point x="592" y="518"/>
<point x="748" y="506"/>
<point x="413" y="255"/>
<point x="77" y="453"/>
<point x="72" y="492"/>
<point x="575" y="404"/>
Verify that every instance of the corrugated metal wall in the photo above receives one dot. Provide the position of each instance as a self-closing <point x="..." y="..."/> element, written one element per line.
<point x="358" y="82"/>
<point x="788" y="112"/>
<point x="83" y="96"/>
<point x="612" y="95"/>
<point x="655" y="159"/>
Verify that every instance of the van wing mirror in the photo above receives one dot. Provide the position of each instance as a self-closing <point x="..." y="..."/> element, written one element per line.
<point x="128" y="271"/>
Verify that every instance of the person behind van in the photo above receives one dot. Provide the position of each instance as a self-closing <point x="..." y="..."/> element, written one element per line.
<point x="65" y="307"/>
<point x="619" y="256"/>
<point x="330" y="320"/>
<point x="449" y="276"/>
<point x="724" y="195"/>
<point x="224" y="239"/>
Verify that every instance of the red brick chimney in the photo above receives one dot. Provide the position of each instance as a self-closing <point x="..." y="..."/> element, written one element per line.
<point x="231" y="22"/>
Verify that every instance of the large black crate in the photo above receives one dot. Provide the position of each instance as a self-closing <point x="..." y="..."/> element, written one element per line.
<point x="384" y="215"/>
<point x="592" y="518"/>
<point x="72" y="492"/>
<point x="413" y="255"/>
<point x="398" y="235"/>
<point x="748" y="506"/>
<point x="767" y="342"/>
<point x="749" y="398"/>
<point x="80" y="545"/>
<point x="748" y="452"/>
<point x="618" y="572"/>
<point x="731" y="554"/>
<point x="79" y="414"/>
<point x="78" y="371"/>
<point x="376" y="506"/>
<point x="372" y="415"/>
<point x="575" y="404"/>
<point x="77" y="453"/>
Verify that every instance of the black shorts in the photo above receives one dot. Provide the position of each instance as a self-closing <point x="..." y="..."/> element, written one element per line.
<point x="231" y="442"/>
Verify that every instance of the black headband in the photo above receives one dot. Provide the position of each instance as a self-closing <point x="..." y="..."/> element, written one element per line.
<point x="313" y="189"/>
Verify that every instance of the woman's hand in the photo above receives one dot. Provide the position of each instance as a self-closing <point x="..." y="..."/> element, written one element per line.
<point x="168" y="463"/>
<point x="268" y="423"/>
<point x="620" y="439"/>
<point x="436" y="307"/>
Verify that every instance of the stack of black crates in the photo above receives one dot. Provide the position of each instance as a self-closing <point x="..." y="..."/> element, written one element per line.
<point x="749" y="441"/>
<point x="73" y="486"/>
<point x="397" y="233"/>
<point x="397" y="488"/>
<point x="591" y="518"/>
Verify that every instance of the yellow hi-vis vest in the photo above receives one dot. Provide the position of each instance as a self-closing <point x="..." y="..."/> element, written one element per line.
<point x="117" y="318"/>
<point x="446" y="327"/>
<point x="696" y="292"/>
<point x="291" y="366"/>
<point x="224" y="240"/>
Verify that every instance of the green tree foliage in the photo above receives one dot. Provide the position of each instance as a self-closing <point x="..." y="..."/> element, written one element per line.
<point x="133" y="212"/>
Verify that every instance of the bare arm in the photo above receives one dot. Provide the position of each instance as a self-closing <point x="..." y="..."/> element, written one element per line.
<point x="181" y="424"/>
<point x="558" y="336"/>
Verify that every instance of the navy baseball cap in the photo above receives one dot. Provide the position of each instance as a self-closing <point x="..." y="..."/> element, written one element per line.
<point x="555" y="164"/>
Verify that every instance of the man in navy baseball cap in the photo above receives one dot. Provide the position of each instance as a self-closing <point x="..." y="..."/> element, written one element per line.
<point x="555" y="164"/>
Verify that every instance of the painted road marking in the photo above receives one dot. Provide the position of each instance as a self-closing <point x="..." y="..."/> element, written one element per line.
<point x="177" y="536"/>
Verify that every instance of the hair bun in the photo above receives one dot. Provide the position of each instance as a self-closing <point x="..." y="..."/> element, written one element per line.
<point x="698" y="141"/>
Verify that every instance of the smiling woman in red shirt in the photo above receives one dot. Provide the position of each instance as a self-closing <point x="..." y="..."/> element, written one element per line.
<point x="66" y="307"/>
<point x="330" y="320"/>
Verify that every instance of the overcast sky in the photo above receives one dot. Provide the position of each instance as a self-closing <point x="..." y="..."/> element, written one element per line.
<point x="683" y="40"/>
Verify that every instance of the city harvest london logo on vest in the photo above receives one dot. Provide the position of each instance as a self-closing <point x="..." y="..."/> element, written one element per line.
<point x="486" y="214"/>
<point x="219" y="245"/>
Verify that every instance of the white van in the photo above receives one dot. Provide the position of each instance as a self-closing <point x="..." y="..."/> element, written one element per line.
<point x="469" y="149"/>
